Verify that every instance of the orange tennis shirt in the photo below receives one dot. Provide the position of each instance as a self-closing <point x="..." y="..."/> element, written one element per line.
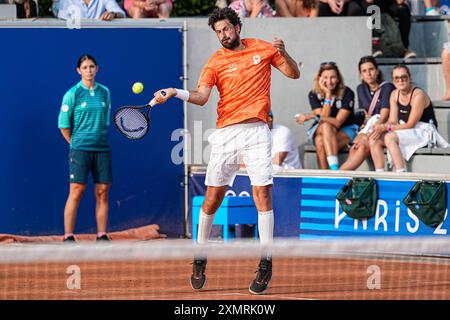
<point x="243" y="79"/>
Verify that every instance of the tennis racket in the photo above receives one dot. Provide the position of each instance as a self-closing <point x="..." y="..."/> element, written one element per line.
<point x="134" y="121"/>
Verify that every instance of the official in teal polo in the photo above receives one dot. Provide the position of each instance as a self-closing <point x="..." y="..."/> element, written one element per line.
<point x="84" y="122"/>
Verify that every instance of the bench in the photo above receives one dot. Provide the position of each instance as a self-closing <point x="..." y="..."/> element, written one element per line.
<point x="233" y="211"/>
<point x="424" y="160"/>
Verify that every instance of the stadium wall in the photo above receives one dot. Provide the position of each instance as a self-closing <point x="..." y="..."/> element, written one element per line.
<point x="309" y="41"/>
<point x="38" y="67"/>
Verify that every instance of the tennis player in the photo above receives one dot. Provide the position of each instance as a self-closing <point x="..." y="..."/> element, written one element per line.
<point x="84" y="121"/>
<point x="241" y="70"/>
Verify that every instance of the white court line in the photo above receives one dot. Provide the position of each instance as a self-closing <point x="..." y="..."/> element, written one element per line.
<point x="262" y="296"/>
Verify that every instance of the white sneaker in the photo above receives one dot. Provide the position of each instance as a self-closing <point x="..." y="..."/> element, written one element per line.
<point x="432" y="12"/>
<point x="409" y="54"/>
<point x="377" y="53"/>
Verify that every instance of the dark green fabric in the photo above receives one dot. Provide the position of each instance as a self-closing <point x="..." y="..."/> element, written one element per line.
<point x="390" y="39"/>
<point x="428" y="201"/>
<point x="358" y="198"/>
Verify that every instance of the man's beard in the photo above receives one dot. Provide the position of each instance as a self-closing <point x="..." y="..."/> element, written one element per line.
<point x="232" y="45"/>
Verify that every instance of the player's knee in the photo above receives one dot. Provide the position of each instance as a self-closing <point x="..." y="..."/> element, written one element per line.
<point x="262" y="196"/>
<point x="210" y="205"/>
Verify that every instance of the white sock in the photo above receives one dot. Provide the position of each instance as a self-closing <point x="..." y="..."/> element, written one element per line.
<point x="205" y="222"/>
<point x="379" y="170"/>
<point x="265" y="230"/>
<point x="265" y="226"/>
<point x="332" y="160"/>
<point x="400" y="170"/>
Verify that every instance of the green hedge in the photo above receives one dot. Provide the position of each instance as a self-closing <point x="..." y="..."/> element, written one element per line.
<point x="45" y="7"/>
<point x="190" y="8"/>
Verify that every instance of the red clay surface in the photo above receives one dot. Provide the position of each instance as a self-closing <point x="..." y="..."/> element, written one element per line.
<point x="293" y="279"/>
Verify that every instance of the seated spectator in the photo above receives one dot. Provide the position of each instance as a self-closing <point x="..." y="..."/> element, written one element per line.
<point x="329" y="8"/>
<point x="138" y="9"/>
<point x="25" y="8"/>
<point x="332" y="104"/>
<point x="396" y="9"/>
<point x="55" y="7"/>
<point x="431" y="7"/>
<point x="252" y="8"/>
<point x="91" y="9"/>
<point x="284" y="150"/>
<point x="411" y="112"/>
<point x="445" y="56"/>
<point x="373" y="98"/>
<point x="296" y="8"/>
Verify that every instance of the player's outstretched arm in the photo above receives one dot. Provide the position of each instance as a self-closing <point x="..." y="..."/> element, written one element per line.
<point x="289" y="68"/>
<point x="198" y="97"/>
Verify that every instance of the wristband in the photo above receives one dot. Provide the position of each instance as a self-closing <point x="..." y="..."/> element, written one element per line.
<point x="389" y="128"/>
<point x="182" y="94"/>
<point x="326" y="101"/>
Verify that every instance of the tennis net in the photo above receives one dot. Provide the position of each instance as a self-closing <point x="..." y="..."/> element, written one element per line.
<point x="357" y="268"/>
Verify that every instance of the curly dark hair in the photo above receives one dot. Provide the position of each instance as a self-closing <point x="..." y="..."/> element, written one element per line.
<point x="223" y="14"/>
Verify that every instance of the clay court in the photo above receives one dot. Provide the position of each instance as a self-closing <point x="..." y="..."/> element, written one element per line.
<point x="293" y="279"/>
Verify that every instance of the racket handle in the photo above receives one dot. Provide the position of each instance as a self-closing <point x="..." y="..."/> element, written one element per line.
<point x="154" y="101"/>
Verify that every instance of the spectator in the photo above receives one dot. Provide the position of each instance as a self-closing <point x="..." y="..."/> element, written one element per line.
<point x="431" y="7"/>
<point x="329" y="8"/>
<point x="138" y="9"/>
<point x="396" y="9"/>
<point x="252" y="8"/>
<point x="90" y="9"/>
<point x="296" y="8"/>
<point x="445" y="55"/>
<point x="373" y="99"/>
<point x="406" y="130"/>
<point x="284" y="150"/>
<point x="55" y="7"/>
<point x="332" y="104"/>
<point x="25" y="8"/>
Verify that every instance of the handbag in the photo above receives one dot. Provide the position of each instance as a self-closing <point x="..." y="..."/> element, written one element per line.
<point x="358" y="198"/>
<point x="362" y="120"/>
<point x="428" y="201"/>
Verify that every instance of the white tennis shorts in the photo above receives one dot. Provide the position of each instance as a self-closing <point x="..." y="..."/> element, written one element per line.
<point x="250" y="143"/>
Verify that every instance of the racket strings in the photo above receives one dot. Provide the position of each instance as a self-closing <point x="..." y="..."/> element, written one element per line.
<point x="131" y="122"/>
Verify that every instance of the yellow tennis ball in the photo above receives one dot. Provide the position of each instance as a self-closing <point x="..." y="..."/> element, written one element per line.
<point x="137" y="87"/>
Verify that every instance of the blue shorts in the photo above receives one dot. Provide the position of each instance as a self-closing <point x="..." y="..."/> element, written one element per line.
<point x="351" y="131"/>
<point x="81" y="163"/>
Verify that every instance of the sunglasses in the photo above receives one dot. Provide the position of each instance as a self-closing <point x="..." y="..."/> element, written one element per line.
<point x="403" y="77"/>
<point x="332" y="63"/>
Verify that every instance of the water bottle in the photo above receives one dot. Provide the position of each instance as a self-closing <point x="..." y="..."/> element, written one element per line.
<point x="444" y="10"/>
<point x="431" y="136"/>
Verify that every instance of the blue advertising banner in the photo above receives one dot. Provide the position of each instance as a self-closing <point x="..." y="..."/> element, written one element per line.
<point x="286" y="200"/>
<point x="306" y="207"/>
<point x="37" y="68"/>
<point x="321" y="215"/>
